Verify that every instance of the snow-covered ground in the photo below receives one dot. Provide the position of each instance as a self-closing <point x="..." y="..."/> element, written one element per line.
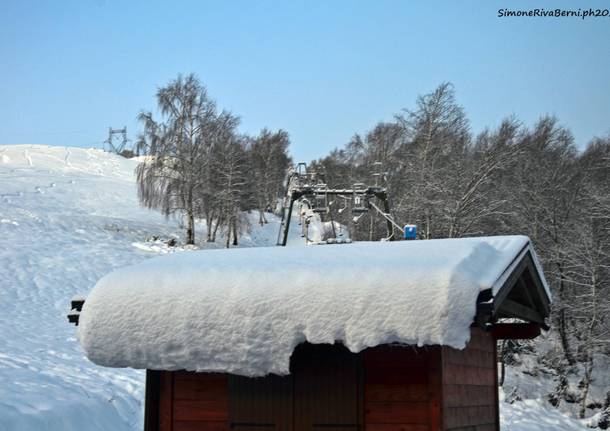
<point x="529" y="381"/>
<point x="534" y="415"/>
<point x="68" y="216"/>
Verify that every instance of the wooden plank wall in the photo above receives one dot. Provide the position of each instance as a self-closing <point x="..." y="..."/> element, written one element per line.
<point x="327" y="388"/>
<point x="405" y="389"/>
<point x="469" y="376"/>
<point x="261" y="404"/>
<point x="192" y="401"/>
<point x="402" y="389"/>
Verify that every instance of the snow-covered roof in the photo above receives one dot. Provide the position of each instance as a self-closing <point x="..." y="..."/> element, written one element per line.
<point x="243" y="311"/>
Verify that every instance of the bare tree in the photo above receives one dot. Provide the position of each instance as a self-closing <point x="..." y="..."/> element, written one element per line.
<point x="470" y="182"/>
<point x="269" y="161"/>
<point x="230" y="170"/>
<point x="437" y="131"/>
<point x="173" y="177"/>
<point x="587" y="270"/>
<point x="511" y="180"/>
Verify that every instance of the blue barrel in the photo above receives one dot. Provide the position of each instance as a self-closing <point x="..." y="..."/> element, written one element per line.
<point x="410" y="231"/>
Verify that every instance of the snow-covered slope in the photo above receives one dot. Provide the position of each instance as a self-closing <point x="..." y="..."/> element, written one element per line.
<point x="68" y="216"/>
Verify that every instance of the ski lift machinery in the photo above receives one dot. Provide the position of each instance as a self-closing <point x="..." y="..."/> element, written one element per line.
<point x="303" y="186"/>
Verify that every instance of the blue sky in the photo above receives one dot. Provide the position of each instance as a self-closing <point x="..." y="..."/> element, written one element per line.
<point x="322" y="70"/>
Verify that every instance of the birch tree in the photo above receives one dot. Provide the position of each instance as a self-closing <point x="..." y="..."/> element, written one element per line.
<point x="230" y="170"/>
<point x="269" y="161"/>
<point x="173" y="177"/>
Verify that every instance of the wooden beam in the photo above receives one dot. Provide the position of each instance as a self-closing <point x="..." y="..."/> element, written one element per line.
<point x="525" y="269"/>
<point x="77" y="304"/>
<point x="528" y="297"/>
<point x="151" y="401"/>
<point x="533" y="276"/>
<point x="515" y="331"/>
<point x="73" y="318"/>
<point x="510" y="281"/>
<point x="514" y="309"/>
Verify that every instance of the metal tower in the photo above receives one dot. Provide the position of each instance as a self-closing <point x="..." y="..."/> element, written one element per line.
<point x="116" y="135"/>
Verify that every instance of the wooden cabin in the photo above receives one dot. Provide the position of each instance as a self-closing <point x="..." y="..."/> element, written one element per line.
<point x="387" y="387"/>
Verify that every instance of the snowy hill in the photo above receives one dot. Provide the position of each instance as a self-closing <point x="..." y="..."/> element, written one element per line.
<point x="68" y="216"/>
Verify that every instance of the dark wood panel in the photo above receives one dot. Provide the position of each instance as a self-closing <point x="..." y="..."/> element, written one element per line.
<point x="467" y="396"/>
<point x="479" y="340"/>
<point x="194" y="375"/>
<point x="396" y="355"/>
<point x="396" y="392"/>
<point x="200" y="426"/>
<point x="397" y="427"/>
<point x="473" y="357"/>
<point x="197" y="410"/>
<point x="435" y="383"/>
<point x="465" y="375"/>
<point x="396" y="412"/>
<point x="401" y="374"/>
<point x="469" y="416"/>
<point x="495" y="387"/>
<point x="166" y="395"/>
<point x="514" y="331"/>
<point x="470" y="384"/>
<point x="259" y="404"/>
<point x="151" y="400"/>
<point x="327" y="388"/>
<point x="203" y="388"/>
<point x="402" y="388"/>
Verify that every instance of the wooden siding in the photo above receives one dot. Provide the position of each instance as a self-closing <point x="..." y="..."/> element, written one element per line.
<point x="193" y="401"/>
<point x="260" y="404"/>
<point x="327" y="388"/>
<point x="321" y="393"/>
<point x="402" y="389"/>
<point x="387" y="388"/>
<point x="469" y="378"/>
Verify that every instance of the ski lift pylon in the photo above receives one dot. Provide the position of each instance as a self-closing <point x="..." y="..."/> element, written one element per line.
<point x="320" y="199"/>
<point x="359" y="199"/>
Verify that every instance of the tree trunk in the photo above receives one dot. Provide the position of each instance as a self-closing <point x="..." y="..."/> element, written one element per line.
<point x="229" y="229"/>
<point x="563" y="336"/>
<point x="589" y="348"/>
<point x="209" y="220"/>
<point x="235" y="231"/>
<point x="218" y="221"/>
<point x="561" y="317"/>
<point x="586" y="385"/>
<point x="604" y="419"/>
<point x="190" y="229"/>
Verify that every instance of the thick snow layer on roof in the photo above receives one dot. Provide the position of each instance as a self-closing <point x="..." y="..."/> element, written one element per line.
<point x="244" y="310"/>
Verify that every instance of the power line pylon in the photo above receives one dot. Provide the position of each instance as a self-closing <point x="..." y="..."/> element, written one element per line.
<point x="115" y="135"/>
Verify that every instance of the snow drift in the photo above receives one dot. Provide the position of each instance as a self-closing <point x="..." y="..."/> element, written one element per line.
<point x="244" y="311"/>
